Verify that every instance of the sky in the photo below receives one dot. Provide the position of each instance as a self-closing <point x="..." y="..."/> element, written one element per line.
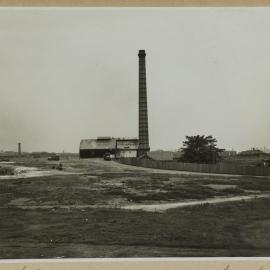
<point x="68" y="74"/>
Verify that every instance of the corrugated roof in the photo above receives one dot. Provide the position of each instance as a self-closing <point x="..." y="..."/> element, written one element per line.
<point x="127" y="139"/>
<point x="97" y="144"/>
<point x="104" y="138"/>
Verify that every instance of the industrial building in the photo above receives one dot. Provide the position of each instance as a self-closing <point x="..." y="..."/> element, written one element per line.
<point x="118" y="147"/>
<point x="91" y="148"/>
<point x="124" y="147"/>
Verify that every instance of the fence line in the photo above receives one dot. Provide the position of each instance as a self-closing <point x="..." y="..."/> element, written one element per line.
<point x="219" y="168"/>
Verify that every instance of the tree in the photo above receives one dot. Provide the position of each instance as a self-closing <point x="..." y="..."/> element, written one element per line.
<point x="200" y="149"/>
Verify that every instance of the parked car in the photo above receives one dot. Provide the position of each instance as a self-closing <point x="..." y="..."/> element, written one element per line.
<point x="107" y="156"/>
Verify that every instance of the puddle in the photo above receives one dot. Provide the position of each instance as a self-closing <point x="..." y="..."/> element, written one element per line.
<point x="220" y="187"/>
<point x="55" y="207"/>
<point x="19" y="201"/>
<point x="28" y="172"/>
<point x="165" y="206"/>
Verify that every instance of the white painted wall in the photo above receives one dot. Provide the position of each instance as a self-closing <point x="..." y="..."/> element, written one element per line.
<point x="127" y="153"/>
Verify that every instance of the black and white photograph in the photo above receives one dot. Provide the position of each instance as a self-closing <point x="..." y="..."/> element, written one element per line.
<point x="134" y="132"/>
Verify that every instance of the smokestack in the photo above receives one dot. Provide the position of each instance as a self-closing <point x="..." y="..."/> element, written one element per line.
<point x="143" y="115"/>
<point x="19" y="149"/>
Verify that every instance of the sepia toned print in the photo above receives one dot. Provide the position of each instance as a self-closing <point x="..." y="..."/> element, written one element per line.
<point x="130" y="133"/>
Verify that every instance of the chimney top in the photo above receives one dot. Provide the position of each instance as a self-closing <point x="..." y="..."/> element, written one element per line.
<point x="141" y="53"/>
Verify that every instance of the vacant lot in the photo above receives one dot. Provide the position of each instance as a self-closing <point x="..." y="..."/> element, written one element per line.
<point x="78" y="212"/>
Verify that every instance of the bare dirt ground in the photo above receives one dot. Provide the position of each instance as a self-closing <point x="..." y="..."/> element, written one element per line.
<point x="96" y="208"/>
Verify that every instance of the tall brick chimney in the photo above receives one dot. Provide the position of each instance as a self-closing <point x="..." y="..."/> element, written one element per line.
<point x="143" y="115"/>
<point x="19" y="149"/>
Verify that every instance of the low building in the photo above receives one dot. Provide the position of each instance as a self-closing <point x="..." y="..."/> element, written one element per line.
<point x="126" y="147"/>
<point x="253" y="153"/>
<point x="253" y="157"/>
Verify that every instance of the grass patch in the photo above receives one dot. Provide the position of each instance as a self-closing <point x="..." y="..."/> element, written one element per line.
<point x="210" y="228"/>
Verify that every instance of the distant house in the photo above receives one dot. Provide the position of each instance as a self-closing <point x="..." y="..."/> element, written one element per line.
<point x="252" y="153"/>
<point x="253" y="157"/>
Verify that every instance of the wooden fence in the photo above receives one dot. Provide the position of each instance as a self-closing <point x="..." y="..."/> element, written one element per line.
<point x="219" y="168"/>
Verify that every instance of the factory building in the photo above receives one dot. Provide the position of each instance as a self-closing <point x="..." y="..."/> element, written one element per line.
<point x="118" y="147"/>
<point x="124" y="147"/>
<point x="91" y="148"/>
